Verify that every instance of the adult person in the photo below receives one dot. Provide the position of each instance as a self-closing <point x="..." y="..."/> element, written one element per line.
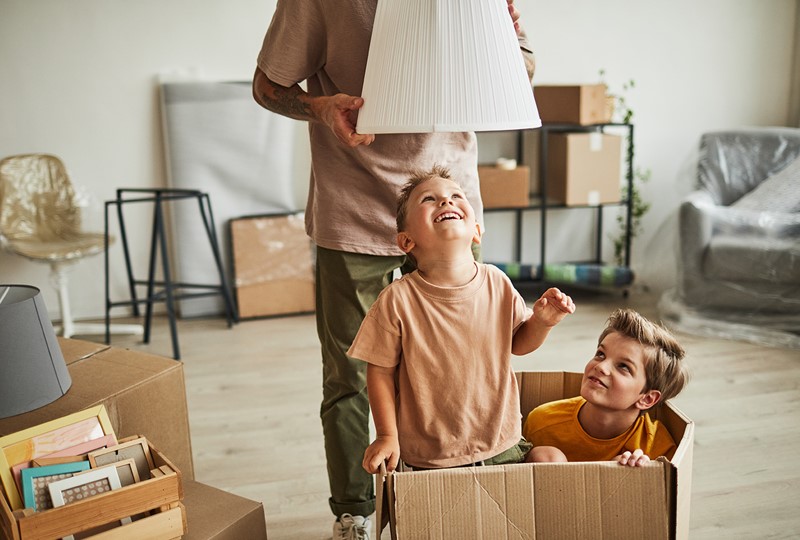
<point x="350" y="212"/>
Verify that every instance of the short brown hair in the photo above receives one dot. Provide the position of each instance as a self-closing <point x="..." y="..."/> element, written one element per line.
<point x="419" y="177"/>
<point x="664" y="367"/>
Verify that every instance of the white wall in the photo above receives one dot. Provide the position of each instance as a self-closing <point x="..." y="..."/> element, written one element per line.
<point x="78" y="80"/>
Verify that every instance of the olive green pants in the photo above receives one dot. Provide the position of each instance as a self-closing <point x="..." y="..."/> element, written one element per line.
<point x="347" y="284"/>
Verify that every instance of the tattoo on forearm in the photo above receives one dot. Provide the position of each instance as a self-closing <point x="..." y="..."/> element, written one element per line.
<point x="286" y="101"/>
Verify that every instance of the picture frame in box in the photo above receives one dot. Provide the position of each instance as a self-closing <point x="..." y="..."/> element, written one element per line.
<point x="71" y="454"/>
<point x="47" y="438"/>
<point x="83" y="486"/>
<point x="126" y="470"/>
<point x="137" y="449"/>
<point x="35" y="482"/>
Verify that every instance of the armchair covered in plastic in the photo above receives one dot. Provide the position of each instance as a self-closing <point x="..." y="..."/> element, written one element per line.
<point x="40" y="220"/>
<point x="739" y="239"/>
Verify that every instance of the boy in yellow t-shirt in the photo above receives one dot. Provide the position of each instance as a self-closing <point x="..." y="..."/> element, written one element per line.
<point x="637" y="365"/>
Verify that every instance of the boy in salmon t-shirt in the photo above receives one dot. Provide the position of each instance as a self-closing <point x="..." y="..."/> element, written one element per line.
<point x="438" y="341"/>
<point x="637" y="365"/>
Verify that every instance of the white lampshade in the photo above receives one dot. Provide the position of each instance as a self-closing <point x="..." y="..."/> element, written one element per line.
<point x="445" y="65"/>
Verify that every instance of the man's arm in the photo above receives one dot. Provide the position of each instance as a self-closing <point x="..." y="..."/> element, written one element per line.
<point x="337" y="112"/>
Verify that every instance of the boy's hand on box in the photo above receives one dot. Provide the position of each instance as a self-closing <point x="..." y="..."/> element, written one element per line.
<point x="637" y="458"/>
<point x="553" y="306"/>
<point x="384" y="448"/>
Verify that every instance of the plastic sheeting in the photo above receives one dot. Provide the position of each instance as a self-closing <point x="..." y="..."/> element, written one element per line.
<point x="739" y="240"/>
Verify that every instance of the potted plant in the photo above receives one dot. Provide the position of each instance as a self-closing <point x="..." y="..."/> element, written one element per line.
<point x="619" y="110"/>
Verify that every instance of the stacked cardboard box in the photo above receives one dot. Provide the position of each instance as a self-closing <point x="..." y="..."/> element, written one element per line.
<point x="504" y="188"/>
<point x="584" y="168"/>
<point x="572" y="104"/>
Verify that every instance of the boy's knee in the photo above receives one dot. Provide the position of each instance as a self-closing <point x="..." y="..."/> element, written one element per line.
<point x="546" y="454"/>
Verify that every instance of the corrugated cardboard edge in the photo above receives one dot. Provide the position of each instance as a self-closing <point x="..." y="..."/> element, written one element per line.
<point x="75" y="350"/>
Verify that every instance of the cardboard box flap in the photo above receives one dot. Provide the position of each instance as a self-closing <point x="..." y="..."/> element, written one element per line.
<point x="74" y="350"/>
<point x="471" y="502"/>
<point x="536" y="388"/>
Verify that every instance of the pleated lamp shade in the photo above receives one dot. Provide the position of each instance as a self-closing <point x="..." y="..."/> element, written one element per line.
<point x="445" y="65"/>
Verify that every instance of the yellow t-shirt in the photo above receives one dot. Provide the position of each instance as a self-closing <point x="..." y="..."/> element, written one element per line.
<point x="556" y="424"/>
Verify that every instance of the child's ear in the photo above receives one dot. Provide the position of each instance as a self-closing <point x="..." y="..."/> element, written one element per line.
<point x="478" y="234"/>
<point x="405" y="242"/>
<point x="648" y="399"/>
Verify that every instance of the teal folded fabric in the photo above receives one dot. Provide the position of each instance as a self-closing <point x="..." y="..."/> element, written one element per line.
<point x="588" y="274"/>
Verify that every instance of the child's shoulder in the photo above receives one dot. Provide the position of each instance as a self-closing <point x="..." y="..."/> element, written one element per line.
<point x="559" y="405"/>
<point x="556" y="411"/>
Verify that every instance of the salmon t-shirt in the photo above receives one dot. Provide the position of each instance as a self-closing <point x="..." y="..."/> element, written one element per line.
<point x="353" y="191"/>
<point x="457" y="399"/>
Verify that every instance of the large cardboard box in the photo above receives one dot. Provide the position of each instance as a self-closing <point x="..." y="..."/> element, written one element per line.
<point x="272" y="265"/>
<point x="504" y="188"/>
<point x="143" y="394"/>
<point x="584" y="168"/>
<point x="545" y="501"/>
<point x="583" y="104"/>
<point x="213" y="514"/>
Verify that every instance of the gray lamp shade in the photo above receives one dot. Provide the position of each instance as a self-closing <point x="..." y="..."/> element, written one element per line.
<point x="32" y="369"/>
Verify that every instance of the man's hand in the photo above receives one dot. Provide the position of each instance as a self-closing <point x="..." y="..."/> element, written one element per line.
<point x="515" y="14"/>
<point x="384" y="448"/>
<point x="339" y="114"/>
<point x="637" y="458"/>
<point x="552" y="307"/>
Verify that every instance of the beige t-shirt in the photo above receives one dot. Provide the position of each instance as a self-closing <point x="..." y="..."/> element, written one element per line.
<point x="353" y="191"/>
<point x="458" y="400"/>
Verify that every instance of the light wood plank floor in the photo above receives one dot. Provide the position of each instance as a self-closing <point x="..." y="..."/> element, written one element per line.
<point x="254" y="393"/>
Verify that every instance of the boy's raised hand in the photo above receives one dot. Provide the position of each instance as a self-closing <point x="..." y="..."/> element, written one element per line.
<point x="382" y="449"/>
<point x="553" y="306"/>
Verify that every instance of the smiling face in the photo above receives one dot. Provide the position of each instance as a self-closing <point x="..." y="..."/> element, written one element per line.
<point x="438" y="213"/>
<point x="615" y="377"/>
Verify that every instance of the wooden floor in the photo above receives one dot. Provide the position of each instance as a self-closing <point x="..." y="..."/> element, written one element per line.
<point x="254" y="393"/>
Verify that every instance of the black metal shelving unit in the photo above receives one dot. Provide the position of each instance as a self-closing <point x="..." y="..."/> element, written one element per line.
<point x="544" y="206"/>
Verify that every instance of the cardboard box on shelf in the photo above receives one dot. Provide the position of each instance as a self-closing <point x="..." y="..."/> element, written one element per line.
<point x="547" y="500"/>
<point x="272" y="265"/>
<point x="214" y="514"/>
<point x="160" y="496"/>
<point x="143" y="394"/>
<point x="582" y="104"/>
<point x="584" y="168"/>
<point x="504" y="188"/>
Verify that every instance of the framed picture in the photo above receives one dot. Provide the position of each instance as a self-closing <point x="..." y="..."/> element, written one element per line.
<point x="84" y="486"/>
<point x="71" y="454"/>
<point x="45" y="439"/>
<point x="36" y="479"/>
<point x="137" y="449"/>
<point x="126" y="470"/>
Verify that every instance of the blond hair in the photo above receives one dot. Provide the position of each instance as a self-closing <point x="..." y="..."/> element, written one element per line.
<point x="664" y="367"/>
<point x="419" y="177"/>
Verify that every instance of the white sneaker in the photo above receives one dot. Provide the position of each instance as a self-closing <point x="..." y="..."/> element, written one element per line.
<point x="349" y="527"/>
